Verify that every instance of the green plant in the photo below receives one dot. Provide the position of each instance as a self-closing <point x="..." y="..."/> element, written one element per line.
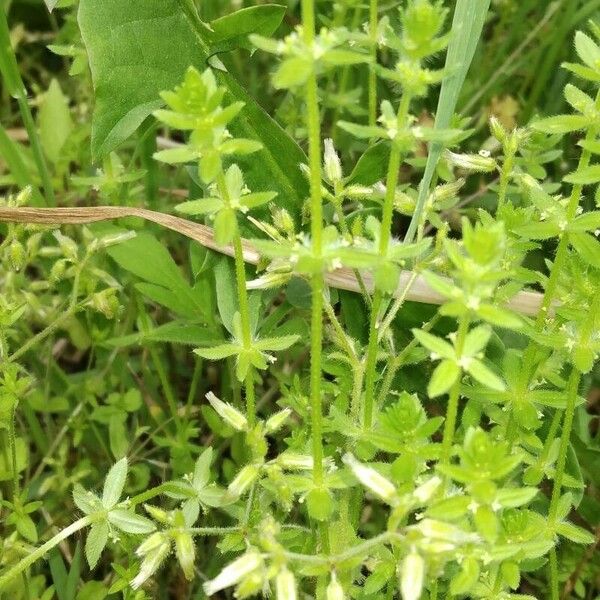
<point x="334" y="412"/>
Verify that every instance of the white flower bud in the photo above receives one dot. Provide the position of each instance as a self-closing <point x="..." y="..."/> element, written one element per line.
<point x="372" y="480"/>
<point x="286" y="585"/>
<point x="332" y="164"/>
<point x="335" y="591"/>
<point x="229" y="414"/>
<point x="234" y="572"/>
<point x="412" y="575"/>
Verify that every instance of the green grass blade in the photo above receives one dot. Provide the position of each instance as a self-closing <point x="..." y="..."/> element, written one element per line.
<point x="16" y="165"/>
<point x="469" y="18"/>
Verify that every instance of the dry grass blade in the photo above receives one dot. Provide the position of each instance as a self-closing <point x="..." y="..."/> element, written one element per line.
<point x="526" y="303"/>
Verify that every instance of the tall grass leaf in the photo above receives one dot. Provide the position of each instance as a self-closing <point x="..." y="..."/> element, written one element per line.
<point x="469" y="18"/>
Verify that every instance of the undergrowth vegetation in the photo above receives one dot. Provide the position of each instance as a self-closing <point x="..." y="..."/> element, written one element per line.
<point x="299" y="301"/>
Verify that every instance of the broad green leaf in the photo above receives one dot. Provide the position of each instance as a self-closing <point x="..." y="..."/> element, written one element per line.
<point x="561" y="124"/>
<point x="443" y="378"/>
<point x="467" y="24"/>
<point x="114" y="484"/>
<point x="584" y="176"/>
<point x="371" y="166"/>
<point x="6" y="463"/>
<point x="55" y="123"/>
<point x="232" y="31"/>
<point x="147" y="258"/>
<point x="202" y="469"/>
<point x="132" y="60"/>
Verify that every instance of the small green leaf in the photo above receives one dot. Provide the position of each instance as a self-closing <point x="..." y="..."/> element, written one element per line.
<point x="319" y="504"/>
<point x="276" y="343"/>
<point x="129" y="522"/>
<point x="55" y="122"/>
<point x="575" y="534"/>
<point x="584" y="176"/>
<point x="114" y="483"/>
<point x="95" y="542"/>
<point x="434" y="344"/>
<point x="587" y="50"/>
<point x="485" y="376"/>
<point x="443" y="378"/>
<point x="587" y="246"/>
<point x="561" y="124"/>
<point x="218" y="352"/>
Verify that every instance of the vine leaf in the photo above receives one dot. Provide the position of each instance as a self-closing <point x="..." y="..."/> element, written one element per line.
<point x="132" y="61"/>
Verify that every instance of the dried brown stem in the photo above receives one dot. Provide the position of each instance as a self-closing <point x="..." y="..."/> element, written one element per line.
<point x="526" y="302"/>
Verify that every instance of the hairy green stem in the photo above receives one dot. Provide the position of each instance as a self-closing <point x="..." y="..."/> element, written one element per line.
<point x="316" y="228"/>
<point x="38" y="553"/>
<point x="560" y="259"/>
<point x="240" y="277"/>
<point x="373" y="23"/>
<point x="452" y="411"/>
<point x="384" y="242"/>
<point x="504" y="179"/>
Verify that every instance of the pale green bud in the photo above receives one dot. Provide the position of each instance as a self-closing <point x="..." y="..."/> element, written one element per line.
<point x="426" y="491"/>
<point x="285" y="585"/>
<point x="234" y="572"/>
<point x="154" y="550"/>
<point x="481" y="163"/>
<point x="335" y="591"/>
<point x="229" y="414"/>
<point x="412" y="575"/>
<point x="277" y="420"/>
<point x="186" y="553"/>
<point x="243" y="480"/>
<point x="331" y="163"/>
<point x="498" y="130"/>
<point x="372" y="480"/>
